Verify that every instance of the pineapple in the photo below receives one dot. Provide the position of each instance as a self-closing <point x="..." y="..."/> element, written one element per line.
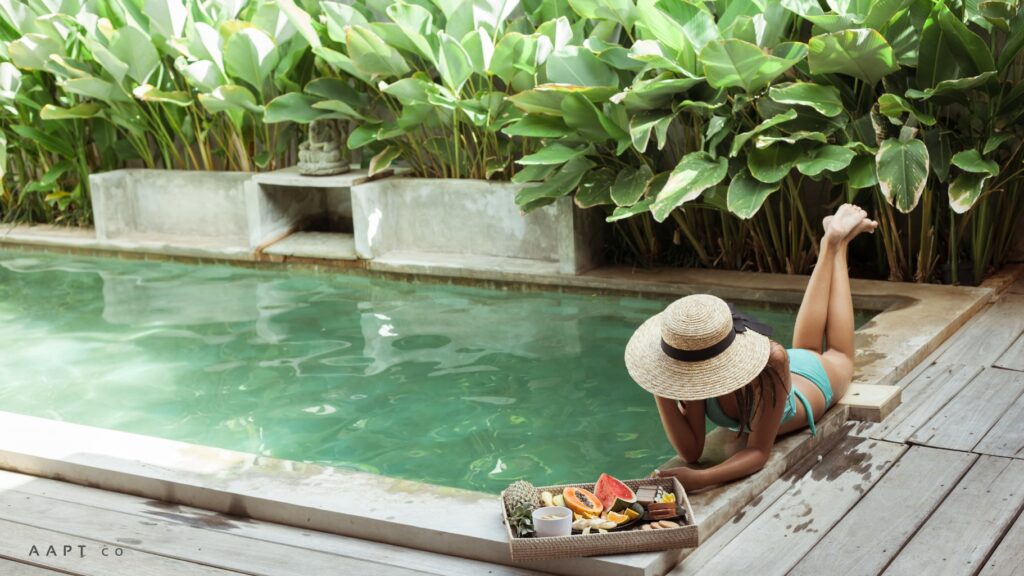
<point x="521" y="499"/>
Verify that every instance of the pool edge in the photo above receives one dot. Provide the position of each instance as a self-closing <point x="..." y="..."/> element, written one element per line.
<point x="916" y="319"/>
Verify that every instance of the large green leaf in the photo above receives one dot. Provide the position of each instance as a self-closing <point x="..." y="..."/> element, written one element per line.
<point x="202" y="74"/>
<point x="650" y="53"/>
<point x="764" y="141"/>
<point x="581" y="114"/>
<point x="579" y="67"/>
<point x="595" y="188"/>
<point x="949" y="50"/>
<point x="642" y="125"/>
<point x="682" y="26"/>
<point x="894" y="107"/>
<point x="747" y="194"/>
<point x="228" y="98"/>
<point x="624" y="212"/>
<point x="971" y="161"/>
<point x="655" y="93"/>
<point x="696" y="172"/>
<point x="562" y="182"/>
<point x="343" y="110"/>
<point x="947" y="88"/>
<point x="96" y="88"/>
<point x="741" y="139"/>
<point x="250" y="55"/>
<point x="862" y="53"/>
<point x="373" y="56"/>
<point x="902" y="167"/>
<point x="824" y="99"/>
<point x="293" y="107"/>
<point x="301" y="20"/>
<point x="480" y="48"/>
<point x="829" y="157"/>
<point x="10" y="82"/>
<point x="149" y="93"/>
<point x="554" y="153"/>
<point x="965" y="190"/>
<point x="31" y="51"/>
<point x="453" y="63"/>
<point x="134" y="48"/>
<point x="735" y="63"/>
<point x="167" y="17"/>
<point x="81" y="111"/>
<point x="417" y="23"/>
<point x="861" y="173"/>
<point x="620" y="11"/>
<point x="630" y="185"/>
<point x="771" y="164"/>
<point x="537" y="126"/>
<point x="339" y="16"/>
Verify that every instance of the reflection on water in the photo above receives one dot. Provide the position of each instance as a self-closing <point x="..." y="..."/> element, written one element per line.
<point x="457" y="386"/>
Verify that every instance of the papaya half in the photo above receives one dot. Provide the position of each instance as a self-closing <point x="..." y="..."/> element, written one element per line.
<point x="582" y="501"/>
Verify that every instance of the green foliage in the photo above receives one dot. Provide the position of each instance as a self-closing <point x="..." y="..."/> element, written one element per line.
<point x="714" y="133"/>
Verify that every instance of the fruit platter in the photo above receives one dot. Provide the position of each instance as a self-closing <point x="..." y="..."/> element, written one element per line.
<point x="607" y="517"/>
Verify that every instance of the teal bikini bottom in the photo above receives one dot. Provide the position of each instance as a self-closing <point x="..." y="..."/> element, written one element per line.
<point x="801" y="362"/>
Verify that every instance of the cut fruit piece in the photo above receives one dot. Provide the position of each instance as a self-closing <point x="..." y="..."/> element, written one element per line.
<point x="631" y="514"/>
<point x="613" y="494"/>
<point x="618" y="518"/>
<point x="582" y="501"/>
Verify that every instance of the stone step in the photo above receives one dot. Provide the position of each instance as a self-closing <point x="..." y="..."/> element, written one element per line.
<point x="323" y="245"/>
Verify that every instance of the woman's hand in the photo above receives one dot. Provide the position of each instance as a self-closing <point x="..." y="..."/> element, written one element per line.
<point x="690" y="478"/>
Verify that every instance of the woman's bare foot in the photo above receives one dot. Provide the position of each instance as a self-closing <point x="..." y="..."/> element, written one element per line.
<point x="846" y="218"/>
<point x="849" y="213"/>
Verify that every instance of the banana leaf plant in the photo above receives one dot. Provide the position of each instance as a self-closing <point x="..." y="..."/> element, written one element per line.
<point x="439" y="76"/>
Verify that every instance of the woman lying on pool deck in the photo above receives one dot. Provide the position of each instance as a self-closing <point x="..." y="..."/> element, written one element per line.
<point x="703" y="360"/>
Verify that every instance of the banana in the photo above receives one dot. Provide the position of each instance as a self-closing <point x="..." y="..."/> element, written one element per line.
<point x="546" y="498"/>
<point x="558" y="500"/>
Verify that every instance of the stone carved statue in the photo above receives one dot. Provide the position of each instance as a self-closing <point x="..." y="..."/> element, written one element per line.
<point x="323" y="153"/>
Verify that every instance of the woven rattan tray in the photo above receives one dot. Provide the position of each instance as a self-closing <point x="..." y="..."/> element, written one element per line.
<point x="626" y="541"/>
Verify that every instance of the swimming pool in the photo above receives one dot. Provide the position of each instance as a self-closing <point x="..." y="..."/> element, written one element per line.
<point x="458" y="386"/>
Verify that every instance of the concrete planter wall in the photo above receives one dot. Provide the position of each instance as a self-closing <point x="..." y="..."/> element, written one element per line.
<point x="226" y="207"/>
<point x="471" y="217"/>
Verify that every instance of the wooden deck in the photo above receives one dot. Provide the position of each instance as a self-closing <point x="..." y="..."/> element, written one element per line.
<point x="937" y="488"/>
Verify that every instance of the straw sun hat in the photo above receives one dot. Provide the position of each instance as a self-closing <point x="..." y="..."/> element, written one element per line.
<point x="697" y="348"/>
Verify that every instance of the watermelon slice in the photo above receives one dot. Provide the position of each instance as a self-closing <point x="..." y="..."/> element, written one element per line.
<point x="613" y="494"/>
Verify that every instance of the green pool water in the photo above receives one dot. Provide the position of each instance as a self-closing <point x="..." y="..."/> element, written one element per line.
<point x="458" y="386"/>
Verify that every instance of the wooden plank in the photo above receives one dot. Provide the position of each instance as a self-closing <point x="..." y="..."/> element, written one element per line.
<point x="191" y="543"/>
<point x="716" y="506"/>
<point x="1013" y="358"/>
<point x="18" y="540"/>
<point x="1006" y="438"/>
<point x="1008" y="558"/>
<point x="986" y="336"/>
<point x="712" y="546"/>
<point x="778" y="538"/>
<point x="871" y="402"/>
<point x="959" y="535"/>
<point x="922" y="399"/>
<point x="965" y="420"/>
<point x="11" y="568"/>
<point x="156" y="519"/>
<point x="871" y="534"/>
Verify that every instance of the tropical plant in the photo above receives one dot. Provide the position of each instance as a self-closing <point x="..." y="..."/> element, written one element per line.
<point x="777" y="108"/>
<point x="438" y="77"/>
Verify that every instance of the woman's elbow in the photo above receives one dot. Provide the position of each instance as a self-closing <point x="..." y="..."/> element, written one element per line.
<point x="691" y="455"/>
